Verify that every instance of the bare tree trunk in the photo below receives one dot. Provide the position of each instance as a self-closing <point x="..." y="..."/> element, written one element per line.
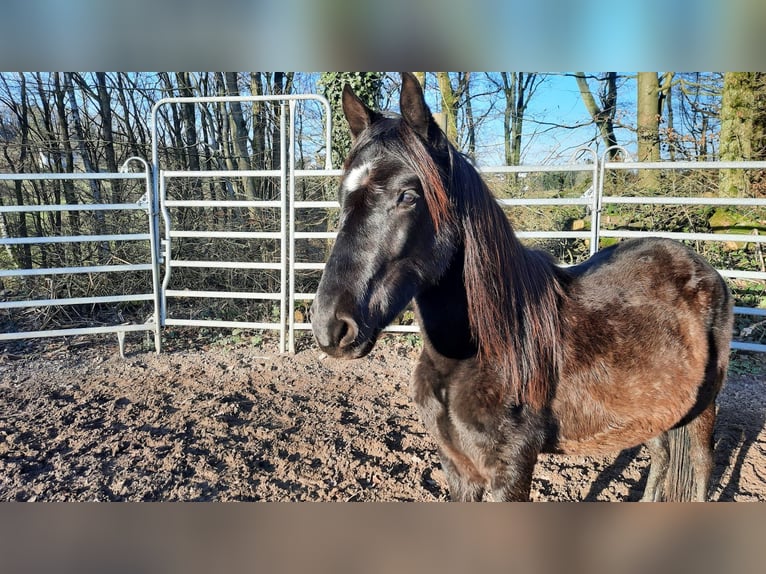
<point x="240" y="135"/>
<point x="129" y="128"/>
<point x="449" y="105"/>
<point x="648" y="126"/>
<point x="105" y="110"/>
<point x="470" y="120"/>
<point x="95" y="185"/>
<point x="518" y="88"/>
<point x="188" y="116"/>
<point x="23" y="255"/>
<point x="603" y="116"/>
<point x="742" y="127"/>
<point x="666" y="102"/>
<point x="65" y="164"/>
<point x="259" y="130"/>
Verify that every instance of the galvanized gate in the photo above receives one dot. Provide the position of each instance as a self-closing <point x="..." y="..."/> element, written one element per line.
<point x="284" y="203"/>
<point x="151" y="293"/>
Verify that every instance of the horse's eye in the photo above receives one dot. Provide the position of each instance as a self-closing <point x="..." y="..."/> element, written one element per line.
<point x="408" y="198"/>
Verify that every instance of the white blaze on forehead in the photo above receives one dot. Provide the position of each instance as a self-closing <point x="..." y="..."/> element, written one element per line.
<point x="356" y="176"/>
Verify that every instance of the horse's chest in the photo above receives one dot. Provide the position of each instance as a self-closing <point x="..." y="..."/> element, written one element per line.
<point x="462" y="434"/>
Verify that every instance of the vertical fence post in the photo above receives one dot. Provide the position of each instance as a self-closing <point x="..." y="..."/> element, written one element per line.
<point x="284" y="304"/>
<point x="291" y="251"/>
<point x="154" y="243"/>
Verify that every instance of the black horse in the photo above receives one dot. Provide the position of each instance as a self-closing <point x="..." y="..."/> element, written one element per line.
<point x="520" y="356"/>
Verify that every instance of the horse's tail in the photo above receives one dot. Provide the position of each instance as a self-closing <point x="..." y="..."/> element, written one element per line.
<point x="680" y="483"/>
<point x="690" y="462"/>
<point x="690" y="443"/>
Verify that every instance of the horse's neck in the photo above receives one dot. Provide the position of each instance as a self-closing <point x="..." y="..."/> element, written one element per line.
<point x="443" y="314"/>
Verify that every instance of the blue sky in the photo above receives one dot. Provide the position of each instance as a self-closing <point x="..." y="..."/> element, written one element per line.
<point x="556" y="102"/>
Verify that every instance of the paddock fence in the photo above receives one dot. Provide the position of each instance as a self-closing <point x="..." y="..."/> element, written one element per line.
<point x="244" y="249"/>
<point x="112" y="252"/>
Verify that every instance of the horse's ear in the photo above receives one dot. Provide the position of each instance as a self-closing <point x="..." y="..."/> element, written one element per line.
<point x="415" y="111"/>
<point x="358" y="115"/>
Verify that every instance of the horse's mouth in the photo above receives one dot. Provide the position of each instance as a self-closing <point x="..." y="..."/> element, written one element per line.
<point x="355" y="350"/>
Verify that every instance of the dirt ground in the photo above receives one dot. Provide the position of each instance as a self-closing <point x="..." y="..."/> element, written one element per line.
<point x="238" y="421"/>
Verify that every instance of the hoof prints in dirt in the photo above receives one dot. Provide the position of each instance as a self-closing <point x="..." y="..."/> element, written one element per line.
<point x="231" y="424"/>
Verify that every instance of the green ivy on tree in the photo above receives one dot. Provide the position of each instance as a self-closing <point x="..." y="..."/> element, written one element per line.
<point x="366" y="85"/>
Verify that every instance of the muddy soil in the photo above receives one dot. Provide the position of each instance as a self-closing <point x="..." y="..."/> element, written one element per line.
<point x="223" y="422"/>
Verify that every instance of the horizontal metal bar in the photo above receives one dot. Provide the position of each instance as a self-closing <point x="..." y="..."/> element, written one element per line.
<point x="227" y="234"/>
<point x="222" y="203"/>
<point x="78" y="331"/>
<point x="225" y="264"/>
<point x="504" y="201"/>
<point x="223" y="173"/>
<point x="309" y="266"/>
<point x="316" y="205"/>
<point x="73" y="207"/>
<point x="318" y="172"/>
<point x="242" y="99"/>
<point x="628" y="165"/>
<point x="222" y="324"/>
<point x="740" y="346"/>
<point x="685" y="236"/>
<point x="521" y="234"/>
<point x="315" y="234"/>
<point x="654" y="200"/>
<point x="68" y="270"/>
<point x="75" y="301"/>
<point x="69" y="176"/>
<point x="221" y="294"/>
<point x="402" y="329"/>
<point x="738" y="274"/>
<point x="305" y="296"/>
<point x="535" y="168"/>
<point x="750" y="311"/>
<point x="546" y="201"/>
<point x="73" y="239"/>
<point x="554" y="234"/>
<point x="499" y="169"/>
<point x="414" y="329"/>
<point x="389" y="329"/>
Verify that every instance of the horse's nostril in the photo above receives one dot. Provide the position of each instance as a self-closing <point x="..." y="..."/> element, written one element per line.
<point x="346" y="332"/>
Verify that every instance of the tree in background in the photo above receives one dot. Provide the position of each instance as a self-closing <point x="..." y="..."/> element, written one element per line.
<point x="366" y="85"/>
<point x="518" y="88"/>
<point x="648" y="112"/>
<point x="743" y="126"/>
<point x="602" y="115"/>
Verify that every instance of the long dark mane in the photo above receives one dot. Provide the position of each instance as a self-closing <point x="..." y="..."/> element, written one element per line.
<point x="514" y="293"/>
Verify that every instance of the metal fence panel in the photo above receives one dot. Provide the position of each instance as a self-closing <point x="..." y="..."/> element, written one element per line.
<point x="151" y="292"/>
<point x="695" y="167"/>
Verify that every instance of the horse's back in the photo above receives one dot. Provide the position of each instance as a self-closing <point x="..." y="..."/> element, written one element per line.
<point x="650" y="271"/>
<point x="647" y="326"/>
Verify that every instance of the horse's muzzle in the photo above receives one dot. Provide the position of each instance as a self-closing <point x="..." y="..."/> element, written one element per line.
<point x="338" y="335"/>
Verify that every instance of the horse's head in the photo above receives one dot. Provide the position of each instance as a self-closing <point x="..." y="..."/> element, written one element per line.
<point x="395" y="236"/>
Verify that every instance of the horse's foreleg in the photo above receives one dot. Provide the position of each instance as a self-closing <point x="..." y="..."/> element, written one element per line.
<point x="658" y="469"/>
<point x="461" y="489"/>
<point x="513" y="482"/>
